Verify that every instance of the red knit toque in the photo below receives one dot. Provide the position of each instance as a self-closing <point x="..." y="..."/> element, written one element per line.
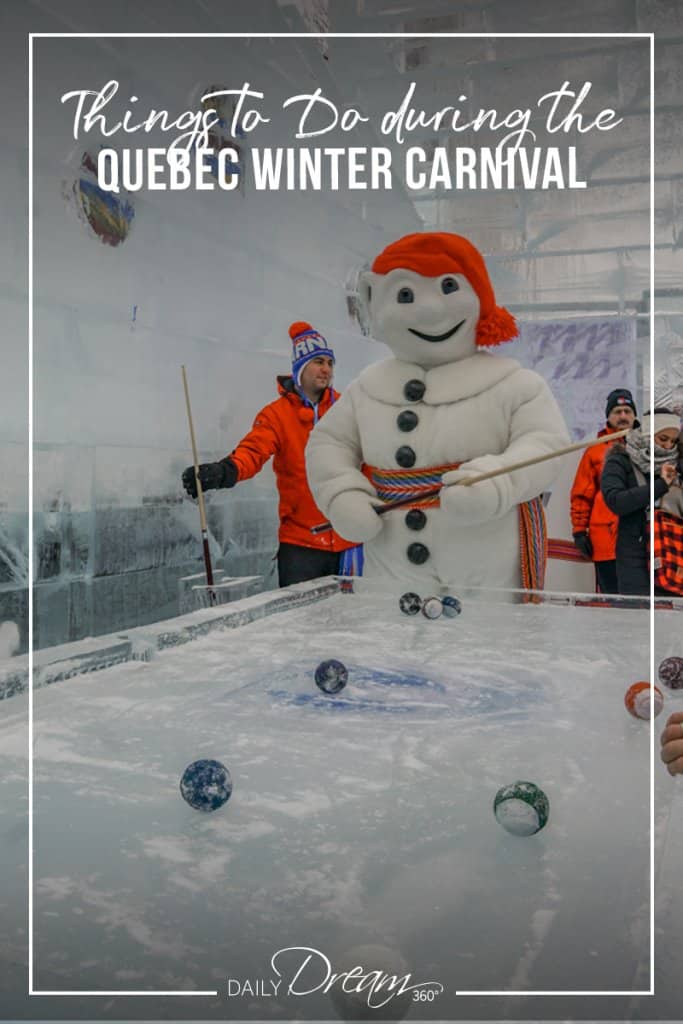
<point x="307" y="344"/>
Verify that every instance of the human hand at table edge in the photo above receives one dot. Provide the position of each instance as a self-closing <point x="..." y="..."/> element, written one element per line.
<point x="671" y="741"/>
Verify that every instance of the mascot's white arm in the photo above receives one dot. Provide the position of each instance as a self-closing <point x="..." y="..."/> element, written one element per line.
<point x="536" y="427"/>
<point x="333" y="458"/>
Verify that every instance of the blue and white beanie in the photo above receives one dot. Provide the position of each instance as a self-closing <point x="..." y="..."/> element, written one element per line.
<point x="307" y="344"/>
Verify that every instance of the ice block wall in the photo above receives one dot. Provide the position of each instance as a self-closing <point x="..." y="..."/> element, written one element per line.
<point x="125" y="294"/>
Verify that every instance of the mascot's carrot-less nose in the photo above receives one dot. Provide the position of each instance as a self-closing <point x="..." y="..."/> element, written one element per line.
<point x="442" y="409"/>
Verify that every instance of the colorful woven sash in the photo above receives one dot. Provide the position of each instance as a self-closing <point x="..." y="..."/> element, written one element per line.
<point x="533" y="545"/>
<point x="392" y="484"/>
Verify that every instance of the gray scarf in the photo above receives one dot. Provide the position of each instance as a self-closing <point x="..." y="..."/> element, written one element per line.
<point x="638" y="449"/>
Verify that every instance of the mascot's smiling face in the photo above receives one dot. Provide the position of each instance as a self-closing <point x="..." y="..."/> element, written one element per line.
<point x="425" y="320"/>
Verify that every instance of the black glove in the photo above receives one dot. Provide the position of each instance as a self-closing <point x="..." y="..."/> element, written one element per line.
<point x="583" y="543"/>
<point x="211" y="475"/>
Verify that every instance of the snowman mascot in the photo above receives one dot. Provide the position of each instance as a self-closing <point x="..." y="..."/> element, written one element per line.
<point x="443" y="409"/>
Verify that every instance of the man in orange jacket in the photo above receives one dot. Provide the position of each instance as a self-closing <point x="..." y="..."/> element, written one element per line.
<point x="593" y="525"/>
<point x="281" y="431"/>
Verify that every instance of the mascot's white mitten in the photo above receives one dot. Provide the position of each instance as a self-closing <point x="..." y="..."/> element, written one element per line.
<point x="353" y="516"/>
<point x="478" y="502"/>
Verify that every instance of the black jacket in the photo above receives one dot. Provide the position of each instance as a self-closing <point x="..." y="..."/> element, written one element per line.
<point x="629" y="500"/>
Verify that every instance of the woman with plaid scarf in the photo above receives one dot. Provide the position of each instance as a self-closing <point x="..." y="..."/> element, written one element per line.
<point x="625" y="486"/>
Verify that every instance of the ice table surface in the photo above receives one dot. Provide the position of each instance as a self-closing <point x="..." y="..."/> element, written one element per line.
<point x="355" y="819"/>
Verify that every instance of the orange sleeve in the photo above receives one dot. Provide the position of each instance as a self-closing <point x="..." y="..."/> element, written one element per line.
<point x="584" y="490"/>
<point x="256" y="447"/>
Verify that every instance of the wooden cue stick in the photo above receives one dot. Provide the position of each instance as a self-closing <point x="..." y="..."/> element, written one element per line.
<point x="200" y="496"/>
<point x="468" y="481"/>
<point x="542" y="458"/>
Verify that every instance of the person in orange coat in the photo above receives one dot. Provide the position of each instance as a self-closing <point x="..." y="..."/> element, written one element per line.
<point x="281" y="432"/>
<point x="594" y="526"/>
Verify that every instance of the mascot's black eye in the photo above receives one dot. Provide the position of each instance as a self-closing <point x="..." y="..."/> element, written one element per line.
<point x="448" y="285"/>
<point x="405" y="295"/>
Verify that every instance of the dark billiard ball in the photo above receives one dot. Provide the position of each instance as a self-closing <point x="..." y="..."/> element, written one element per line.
<point x="410" y="603"/>
<point x="331" y="676"/>
<point x="206" y="785"/>
<point x="670" y="672"/>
